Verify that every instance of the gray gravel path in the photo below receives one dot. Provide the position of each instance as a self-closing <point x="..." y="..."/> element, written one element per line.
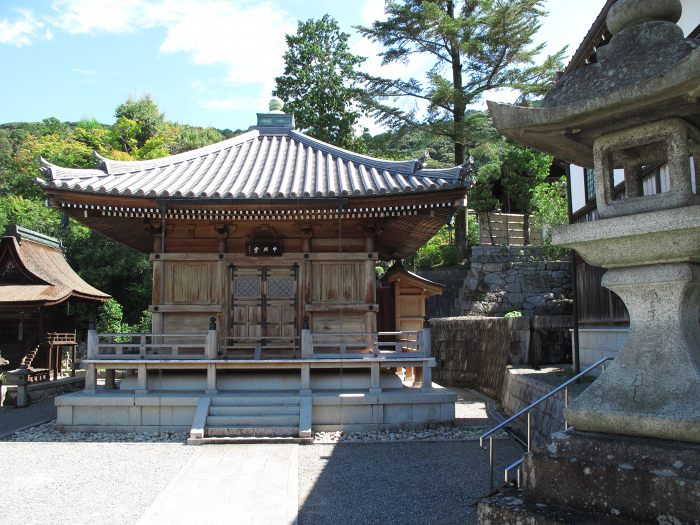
<point x="395" y="483"/>
<point x="12" y="419"/>
<point x="84" y="483"/>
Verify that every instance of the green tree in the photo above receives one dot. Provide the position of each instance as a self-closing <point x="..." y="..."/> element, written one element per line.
<point x="522" y="170"/>
<point x="123" y="273"/>
<point x="549" y="206"/>
<point x="476" y="46"/>
<point x="320" y="84"/>
<point x="146" y="116"/>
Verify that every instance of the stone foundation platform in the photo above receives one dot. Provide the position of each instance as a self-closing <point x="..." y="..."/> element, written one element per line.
<point x="337" y="402"/>
<point x="639" y="480"/>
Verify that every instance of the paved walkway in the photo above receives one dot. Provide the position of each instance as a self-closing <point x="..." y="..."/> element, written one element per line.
<point x="242" y="484"/>
<point x="13" y="419"/>
<point x="363" y="483"/>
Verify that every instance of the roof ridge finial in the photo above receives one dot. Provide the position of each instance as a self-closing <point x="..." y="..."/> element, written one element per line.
<point x="276" y="105"/>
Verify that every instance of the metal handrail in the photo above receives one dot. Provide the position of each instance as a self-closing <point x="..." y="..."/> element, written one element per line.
<point x="564" y="386"/>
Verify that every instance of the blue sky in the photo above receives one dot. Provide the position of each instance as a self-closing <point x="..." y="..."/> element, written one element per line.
<point x="205" y="62"/>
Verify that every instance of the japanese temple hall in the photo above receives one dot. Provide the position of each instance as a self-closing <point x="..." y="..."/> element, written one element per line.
<point x="268" y="318"/>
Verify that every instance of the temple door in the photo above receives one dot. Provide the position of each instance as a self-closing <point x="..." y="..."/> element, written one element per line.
<point x="264" y="306"/>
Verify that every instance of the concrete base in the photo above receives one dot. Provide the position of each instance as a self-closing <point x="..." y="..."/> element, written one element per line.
<point x="614" y="477"/>
<point x="335" y="403"/>
<point x="509" y="506"/>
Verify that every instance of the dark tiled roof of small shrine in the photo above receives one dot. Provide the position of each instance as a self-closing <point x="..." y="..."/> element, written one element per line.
<point x="265" y="163"/>
<point x="34" y="270"/>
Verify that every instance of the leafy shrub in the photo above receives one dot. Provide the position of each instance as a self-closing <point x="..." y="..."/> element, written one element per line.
<point x="514" y="313"/>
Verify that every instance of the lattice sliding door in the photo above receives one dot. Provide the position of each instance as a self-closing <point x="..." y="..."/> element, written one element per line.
<point x="264" y="304"/>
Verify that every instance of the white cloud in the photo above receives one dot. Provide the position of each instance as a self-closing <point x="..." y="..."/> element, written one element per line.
<point x="248" y="40"/>
<point x="21" y="31"/>
<point x="244" y="36"/>
<point x="84" y="72"/>
<point x="94" y="16"/>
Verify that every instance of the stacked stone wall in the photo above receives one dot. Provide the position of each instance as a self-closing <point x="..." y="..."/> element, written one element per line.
<point x="516" y="278"/>
<point x="473" y="352"/>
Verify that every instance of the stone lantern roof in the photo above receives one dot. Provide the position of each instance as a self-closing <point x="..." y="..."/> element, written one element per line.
<point x="647" y="72"/>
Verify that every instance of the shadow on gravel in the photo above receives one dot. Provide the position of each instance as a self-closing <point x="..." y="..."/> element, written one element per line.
<point x="395" y="483"/>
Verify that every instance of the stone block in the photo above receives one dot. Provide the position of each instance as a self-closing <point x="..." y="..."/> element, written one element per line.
<point x="64" y="415"/>
<point x="397" y="414"/>
<point x="493" y="278"/>
<point x="114" y="416"/>
<point x="183" y="415"/>
<point x="606" y="474"/>
<point x="425" y="412"/>
<point x="135" y="415"/>
<point x="150" y="415"/>
<point x="447" y="411"/>
<point x="87" y="415"/>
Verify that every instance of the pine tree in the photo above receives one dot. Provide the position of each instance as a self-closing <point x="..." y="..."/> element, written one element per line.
<point x="476" y="46"/>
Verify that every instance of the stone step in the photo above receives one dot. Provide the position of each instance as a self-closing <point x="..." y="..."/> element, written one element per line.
<point x="255" y="400"/>
<point x="260" y="431"/>
<point x="241" y="440"/>
<point x="247" y="410"/>
<point x="281" y="420"/>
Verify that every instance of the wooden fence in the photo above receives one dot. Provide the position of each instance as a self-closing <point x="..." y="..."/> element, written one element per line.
<point x="496" y="229"/>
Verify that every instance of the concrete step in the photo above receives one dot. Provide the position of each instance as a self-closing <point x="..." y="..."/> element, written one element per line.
<point x="254" y="400"/>
<point x="269" y="431"/>
<point x="241" y="440"/>
<point x="254" y="420"/>
<point x="248" y="410"/>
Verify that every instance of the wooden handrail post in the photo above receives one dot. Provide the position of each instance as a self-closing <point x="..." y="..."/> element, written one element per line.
<point x="92" y="344"/>
<point x="306" y="344"/>
<point x="425" y="341"/>
<point x="212" y="341"/>
<point x="90" y="379"/>
<point x="375" y="386"/>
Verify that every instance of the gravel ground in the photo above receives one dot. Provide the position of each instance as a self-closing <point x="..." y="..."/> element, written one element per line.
<point x="84" y="483"/>
<point x="395" y="483"/>
<point x="47" y="433"/>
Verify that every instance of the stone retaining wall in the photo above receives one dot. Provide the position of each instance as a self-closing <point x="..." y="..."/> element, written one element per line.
<point x="473" y="352"/>
<point x="516" y="278"/>
<point x="42" y="390"/>
<point x="521" y="387"/>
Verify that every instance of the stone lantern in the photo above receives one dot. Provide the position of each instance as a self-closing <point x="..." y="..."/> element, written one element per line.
<point x="635" y="450"/>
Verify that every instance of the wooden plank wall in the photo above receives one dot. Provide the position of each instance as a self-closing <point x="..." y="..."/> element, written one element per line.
<point x="507" y="228"/>
<point x="597" y="305"/>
